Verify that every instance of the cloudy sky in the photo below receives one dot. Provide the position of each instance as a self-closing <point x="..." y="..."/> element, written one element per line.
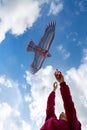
<point x="23" y="96"/>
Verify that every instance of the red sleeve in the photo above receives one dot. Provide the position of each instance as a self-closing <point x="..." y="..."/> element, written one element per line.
<point x="69" y="107"/>
<point x="50" y="110"/>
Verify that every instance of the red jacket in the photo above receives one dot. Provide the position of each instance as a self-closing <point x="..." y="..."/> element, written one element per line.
<point x="51" y="121"/>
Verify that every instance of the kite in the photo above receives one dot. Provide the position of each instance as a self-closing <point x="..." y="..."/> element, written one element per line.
<point x="42" y="49"/>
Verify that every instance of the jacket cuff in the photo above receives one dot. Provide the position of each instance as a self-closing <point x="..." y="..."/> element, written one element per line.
<point x="63" y="83"/>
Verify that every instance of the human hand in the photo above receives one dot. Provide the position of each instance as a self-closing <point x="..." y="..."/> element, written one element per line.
<point x="55" y="86"/>
<point x="58" y="75"/>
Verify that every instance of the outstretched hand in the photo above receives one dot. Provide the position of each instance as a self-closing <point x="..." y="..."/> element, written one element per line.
<point x="58" y="75"/>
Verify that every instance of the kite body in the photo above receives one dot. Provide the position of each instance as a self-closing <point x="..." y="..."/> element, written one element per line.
<point x="42" y="49"/>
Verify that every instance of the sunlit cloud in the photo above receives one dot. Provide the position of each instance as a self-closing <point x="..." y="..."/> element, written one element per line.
<point x="76" y="78"/>
<point x="6" y="82"/>
<point x="16" y="16"/>
<point x="10" y="101"/>
<point x="7" y="86"/>
<point x="41" y="85"/>
<point x="10" y="118"/>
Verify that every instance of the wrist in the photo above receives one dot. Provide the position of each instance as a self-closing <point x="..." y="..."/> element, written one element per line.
<point x="54" y="89"/>
<point x="63" y="82"/>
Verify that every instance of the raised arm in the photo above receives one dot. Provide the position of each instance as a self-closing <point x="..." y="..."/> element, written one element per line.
<point x="50" y="110"/>
<point x="68" y="103"/>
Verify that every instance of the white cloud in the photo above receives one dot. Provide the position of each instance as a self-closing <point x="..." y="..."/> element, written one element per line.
<point x="5" y="109"/>
<point x="63" y="51"/>
<point x="9" y="91"/>
<point x="77" y="79"/>
<point x="10" y="102"/>
<point x="27" y="98"/>
<point x="41" y="85"/>
<point x="56" y="7"/>
<point x="10" y="119"/>
<point x="16" y="16"/>
<point x="43" y="1"/>
<point x="6" y="82"/>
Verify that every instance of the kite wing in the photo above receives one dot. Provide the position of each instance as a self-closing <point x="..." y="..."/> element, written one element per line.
<point x="37" y="63"/>
<point x="48" y="36"/>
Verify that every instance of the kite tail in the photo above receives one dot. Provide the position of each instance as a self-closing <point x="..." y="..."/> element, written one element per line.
<point x="31" y="46"/>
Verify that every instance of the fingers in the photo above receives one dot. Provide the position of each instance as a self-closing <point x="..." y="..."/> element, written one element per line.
<point x="55" y="84"/>
<point x="57" y="74"/>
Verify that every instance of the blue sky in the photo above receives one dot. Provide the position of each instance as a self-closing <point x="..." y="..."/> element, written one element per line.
<point x="23" y="96"/>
